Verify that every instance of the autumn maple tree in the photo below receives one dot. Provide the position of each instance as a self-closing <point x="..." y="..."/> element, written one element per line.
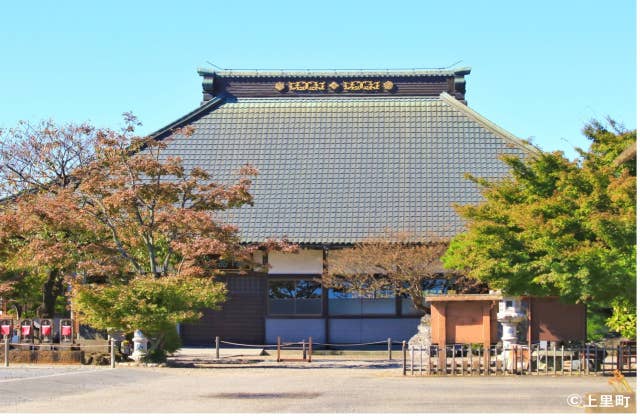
<point x="396" y="262"/>
<point x="160" y="217"/>
<point x="39" y="235"/>
<point x="135" y="233"/>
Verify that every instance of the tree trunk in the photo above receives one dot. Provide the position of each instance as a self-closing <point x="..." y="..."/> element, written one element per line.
<point x="53" y="288"/>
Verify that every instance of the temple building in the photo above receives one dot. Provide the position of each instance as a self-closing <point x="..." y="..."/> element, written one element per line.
<point x="343" y="156"/>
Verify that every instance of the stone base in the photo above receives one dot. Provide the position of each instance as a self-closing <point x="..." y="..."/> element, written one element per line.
<point x="46" y="356"/>
<point x="423" y="337"/>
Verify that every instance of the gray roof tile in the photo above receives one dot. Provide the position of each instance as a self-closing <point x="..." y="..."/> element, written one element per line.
<point x="340" y="170"/>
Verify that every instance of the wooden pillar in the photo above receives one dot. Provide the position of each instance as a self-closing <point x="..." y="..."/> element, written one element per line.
<point x="439" y="327"/>
<point x="486" y="334"/>
<point x="76" y="328"/>
<point x="529" y="322"/>
<point x="530" y="335"/>
<point x="325" y="297"/>
<point x="265" y="295"/>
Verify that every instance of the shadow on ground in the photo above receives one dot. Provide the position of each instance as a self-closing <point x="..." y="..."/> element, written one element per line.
<point x="271" y="363"/>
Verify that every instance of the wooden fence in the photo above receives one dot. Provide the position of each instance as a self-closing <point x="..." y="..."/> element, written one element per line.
<point x="463" y="359"/>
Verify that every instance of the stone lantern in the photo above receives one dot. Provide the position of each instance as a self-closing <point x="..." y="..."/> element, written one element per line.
<point x="139" y="346"/>
<point x="510" y="314"/>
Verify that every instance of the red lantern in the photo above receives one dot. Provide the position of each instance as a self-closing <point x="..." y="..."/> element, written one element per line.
<point x="66" y="330"/>
<point x="6" y="328"/>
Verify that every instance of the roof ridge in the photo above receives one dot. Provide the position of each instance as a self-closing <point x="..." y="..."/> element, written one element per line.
<point x="489" y="125"/>
<point x="459" y="71"/>
<point x="316" y="99"/>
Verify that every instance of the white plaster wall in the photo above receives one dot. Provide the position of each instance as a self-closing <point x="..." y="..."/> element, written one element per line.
<point x="305" y="261"/>
<point x="365" y="330"/>
<point x="294" y="330"/>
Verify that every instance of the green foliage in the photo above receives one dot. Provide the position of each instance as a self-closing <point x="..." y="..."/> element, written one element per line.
<point x="597" y="323"/>
<point x="624" y="318"/>
<point x="609" y="140"/>
<point x="171" y="343"/>
<point x="557" y="227"/>
<point x="153" y="305"/>
<point x="22" y="291"/>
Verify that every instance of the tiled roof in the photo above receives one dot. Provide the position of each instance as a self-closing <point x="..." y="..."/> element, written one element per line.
<point x="336" y="171"/>
<point x="627" y="154"/>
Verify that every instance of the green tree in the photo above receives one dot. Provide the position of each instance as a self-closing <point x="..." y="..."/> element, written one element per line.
<point x="153" y="305"/>
<point x="559" y="227"/>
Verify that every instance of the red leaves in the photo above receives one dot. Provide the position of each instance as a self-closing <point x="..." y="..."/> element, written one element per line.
<point x="42" y="156"/>
<point x="397" y="262"/>
<point x="130" y="208"/>
<point x="248" y="170"/>
<point x="281" y="245"/>
<point x="186" y="131"/>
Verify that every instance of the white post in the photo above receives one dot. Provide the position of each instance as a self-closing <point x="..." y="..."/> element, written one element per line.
<point x="412" y="359"/>
<point x="6" y="352"/>
<point x="112" y="352"/>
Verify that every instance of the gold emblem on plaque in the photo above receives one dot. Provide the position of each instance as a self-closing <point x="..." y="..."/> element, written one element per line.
<point x="345" y="85"/>
<point x="360" y="85"/>
<point x="307" y="86"/>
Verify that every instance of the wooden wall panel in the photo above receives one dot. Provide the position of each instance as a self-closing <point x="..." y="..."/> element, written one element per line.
<point x="259" y="87"/>
<point x="438" y="323"/>
<point x="553" y="320"/>
<point x="241" y="318"/>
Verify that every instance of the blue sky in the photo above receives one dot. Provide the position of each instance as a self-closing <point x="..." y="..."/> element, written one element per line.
<point x="539" y="69"/>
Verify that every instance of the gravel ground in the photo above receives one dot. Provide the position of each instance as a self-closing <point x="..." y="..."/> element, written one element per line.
<point x="360" y="387"/>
